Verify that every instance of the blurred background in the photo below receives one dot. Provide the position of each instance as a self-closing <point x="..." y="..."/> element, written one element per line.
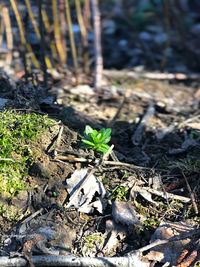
<point x="153" y="35"/>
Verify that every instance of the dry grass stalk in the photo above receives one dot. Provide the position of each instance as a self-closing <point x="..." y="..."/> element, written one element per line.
<point x="42" y="43"/>
<point x="87" y="14"/>
<point x="47" y="27"/>
<point x="71" y="36"/>
<point x="33" y="21"/>
<point x="22" y="34"/>
<point x="1" y="27"/>
<point x="9" y="35"/>
<point x="37" y="32"/>
<point x="63" y="28"/>
<point x="97" y="45"/>
<point x="57" y="33"/>
<point x="83" y="35"/>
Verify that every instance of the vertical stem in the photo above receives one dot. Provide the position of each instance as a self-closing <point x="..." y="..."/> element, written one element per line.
<point x="166" y="14"/>
<point x="9" y="36"/>
<point x="57" y="34"/>
<point x="63" y="28"/>
<point x="42" y="43"/>
<point x="86" y="14"/>
<point x="97" y="45"/>
<point x="48" y="27"/>
<point x="1" y="27"/>
<point x="83" y="35"/>
<point x="22" y="34"/>
<point x="30" y="13"/>
<point x="71" y="35"/>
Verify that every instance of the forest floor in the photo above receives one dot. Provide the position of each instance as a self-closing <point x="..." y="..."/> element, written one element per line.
<point x="147" y="189"/>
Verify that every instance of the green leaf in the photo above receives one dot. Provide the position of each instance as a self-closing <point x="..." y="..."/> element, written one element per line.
<point x="87" y="142"/>
<point x="106" y="140"/>
<point x="88" y="130"/>
<point x="94" y="136"/>
<point x="102" y="148"/>
<point x="105" y="134"/>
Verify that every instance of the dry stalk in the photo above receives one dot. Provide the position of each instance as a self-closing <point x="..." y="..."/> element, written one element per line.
<point x="48" y="27"/>
<point x="63" y="28"/>
<point x="22" y="34"/>
<point x="33" y="21"/>
<point x="42" y="43"/>
<point x="97" y="45"/>
<point x="71" y="36"/>
<point x="192" y="195"/>
<point x="57" y="33"/>
<point x="37" y="31"/>
<point x="87" y="14"/>
<point x="9" y="35"/>
<point x="83" y="35"/>
<point x="1" y="26"/>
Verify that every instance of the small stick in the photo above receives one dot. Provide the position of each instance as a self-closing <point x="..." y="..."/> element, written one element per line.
<point x="165" y="195"/>
<point x="188" y="121"/>
<point x="72" y="158"/>
<point x="115" y="74"/>
<point x="159" y="242"/>
<point x="137" y="136"/>
<point x="58" y="140"/>
<point x="111" y="122"/>
<point x="192" y="196"/>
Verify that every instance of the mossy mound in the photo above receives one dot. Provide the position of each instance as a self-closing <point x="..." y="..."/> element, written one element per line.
<point x="17" y="132"/>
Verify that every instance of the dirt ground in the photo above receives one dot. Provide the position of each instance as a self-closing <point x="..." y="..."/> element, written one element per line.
<point x="154" y="167"/>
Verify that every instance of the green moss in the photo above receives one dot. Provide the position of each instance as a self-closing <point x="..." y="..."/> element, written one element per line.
<point x="120" y="193"/>
<point x="151" y="223"/>
<point x="17" y="131"/>
<point x="11" y="213"/>
<point x="92" y="240"/>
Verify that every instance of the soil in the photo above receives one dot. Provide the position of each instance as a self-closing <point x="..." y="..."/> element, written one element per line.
<point x="156" y="156"/>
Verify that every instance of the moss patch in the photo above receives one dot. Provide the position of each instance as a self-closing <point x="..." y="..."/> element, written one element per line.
<point x="17" y="132"/>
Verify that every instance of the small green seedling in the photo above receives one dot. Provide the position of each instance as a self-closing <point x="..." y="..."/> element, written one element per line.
<point x="97" y="140"/>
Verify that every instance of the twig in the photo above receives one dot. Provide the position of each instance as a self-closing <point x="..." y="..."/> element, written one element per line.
<point x="72" y="158"/>
<point x="58" y="140"/>
<point x="165" y="195"/>
<point x="29" y="218"/>
<point x="111" y="122"/>
<point x="159" y="242"/>
<point x="188" y="121"/>
<point x="43" y="260"/>
<point x="137" y="136"/>
<point x="126" y="74"/>
<point x="192" y="196"/>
